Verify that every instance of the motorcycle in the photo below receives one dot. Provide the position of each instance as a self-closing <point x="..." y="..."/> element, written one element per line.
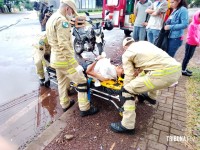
<point x="86" y="39"/>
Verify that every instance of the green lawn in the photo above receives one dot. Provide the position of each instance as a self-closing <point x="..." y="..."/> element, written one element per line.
<point x="193" y="109"/>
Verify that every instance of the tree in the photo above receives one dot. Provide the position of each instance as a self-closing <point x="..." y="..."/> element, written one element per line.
<point x="193" y="2"/>
<point x="197" y="2"/>
<point x="18" y="3"/>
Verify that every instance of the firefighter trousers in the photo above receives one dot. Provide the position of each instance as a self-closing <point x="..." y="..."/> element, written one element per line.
<point x="64" y="76"/>
<point x="40" y="63"/>
<point x="149" y="82"/>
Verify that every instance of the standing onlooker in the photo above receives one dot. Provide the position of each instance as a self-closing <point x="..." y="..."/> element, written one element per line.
<point x="139" y="31"/>
<point x="156" y="12"/>
<point x="176" y="23"/>
<point x="193" y="40"/>
<point x="44" y="14"/>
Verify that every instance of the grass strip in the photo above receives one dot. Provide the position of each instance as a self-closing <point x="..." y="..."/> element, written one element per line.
<point x="193" y="109"/>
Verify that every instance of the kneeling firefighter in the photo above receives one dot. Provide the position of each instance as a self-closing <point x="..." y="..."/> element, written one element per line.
<point x="62" y="58"/>
<point x="41" y="49"/>
<point x="147" y="69"/>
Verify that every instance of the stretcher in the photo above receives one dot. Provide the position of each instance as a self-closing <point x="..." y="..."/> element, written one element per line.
<point x="108" y="90"/>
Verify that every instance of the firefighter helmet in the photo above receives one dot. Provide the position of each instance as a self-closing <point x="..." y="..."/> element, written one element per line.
<point x="127" y="40"/>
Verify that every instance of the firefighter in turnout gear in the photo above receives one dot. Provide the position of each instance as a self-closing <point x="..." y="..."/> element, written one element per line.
<point x="41" y="49"/>
<point x="58" y="30"/>
<point x="147" y="69"/>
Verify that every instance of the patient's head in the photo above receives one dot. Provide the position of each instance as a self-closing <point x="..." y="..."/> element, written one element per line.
<point x="119" y="70"/>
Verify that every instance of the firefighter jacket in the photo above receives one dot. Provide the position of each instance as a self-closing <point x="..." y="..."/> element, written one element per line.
<point x="58" y="30"/>
<point x="145" y="57"/>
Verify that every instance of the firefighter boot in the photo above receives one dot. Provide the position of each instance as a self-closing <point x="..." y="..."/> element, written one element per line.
<point x="41" y="81"/>
<point x="47" y="83"/>
<point x="72" y="102"/>
<point x="119" y="128"/>
<point x="93" y="110"/>
<point x="144" y="96"/>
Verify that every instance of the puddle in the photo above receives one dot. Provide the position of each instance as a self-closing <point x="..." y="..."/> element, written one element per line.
<point x="24" y="118"/>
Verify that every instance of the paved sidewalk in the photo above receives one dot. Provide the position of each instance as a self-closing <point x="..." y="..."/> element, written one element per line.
<point x="168" y="120"/>
<point x="8" y="20"/>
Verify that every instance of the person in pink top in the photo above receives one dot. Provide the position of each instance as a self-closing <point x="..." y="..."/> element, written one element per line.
<point x="193" y="40"/>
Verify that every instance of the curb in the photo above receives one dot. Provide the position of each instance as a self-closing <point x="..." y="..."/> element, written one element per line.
<point x="8" y="26"/>
<point x="52" y="131"/>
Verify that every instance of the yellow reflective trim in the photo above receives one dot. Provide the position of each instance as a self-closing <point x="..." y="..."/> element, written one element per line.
<point x="151" y="85"/>
<point x="148" y="83"/>
<point x="166" y="71"/>
<point x="82" y="100"/>
<point x="59" y="64"/>
<point x="40" y="71"/>
<point x="70" y="62"/>
<point x="129" y="108"/>
<point x="63" y="100"/>
<point x="43" y="62"/>
<point x="142" y="73"/>
<point x="71" y="71"/>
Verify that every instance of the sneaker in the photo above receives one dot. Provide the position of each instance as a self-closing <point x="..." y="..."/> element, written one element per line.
<point x="72" y="102"/>
<point x="144" y="96"/>
<point x="188" y="71"/>
<point x="93" y="110"/>
<point x="41" y="81"/>
<point x="119" y="128"/>
<point x="185" y="73"/>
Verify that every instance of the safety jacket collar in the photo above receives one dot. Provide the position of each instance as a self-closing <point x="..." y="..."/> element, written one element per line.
<point x="59" y="11"/>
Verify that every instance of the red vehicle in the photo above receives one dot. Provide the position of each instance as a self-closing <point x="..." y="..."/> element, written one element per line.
<point x="121" y="13"/>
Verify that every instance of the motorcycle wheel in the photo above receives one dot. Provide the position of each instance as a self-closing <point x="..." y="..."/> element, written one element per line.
<point x="100" y="47"/>
<point x="78" y="47"/>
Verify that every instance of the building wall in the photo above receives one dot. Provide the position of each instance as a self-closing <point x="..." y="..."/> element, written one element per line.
<point x="85" y="4"/>
<point x="55" y="3"/>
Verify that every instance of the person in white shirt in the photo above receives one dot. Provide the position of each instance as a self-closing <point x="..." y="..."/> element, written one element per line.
<point x="155" y="23"/>
<point x="103" y="70"/>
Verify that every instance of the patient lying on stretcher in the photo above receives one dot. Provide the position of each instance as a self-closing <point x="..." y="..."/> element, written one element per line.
<point x="110" y="75"/>
<point x="103" y="70"/>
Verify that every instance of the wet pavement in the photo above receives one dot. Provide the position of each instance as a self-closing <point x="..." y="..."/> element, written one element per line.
<point x="25" y="108"/>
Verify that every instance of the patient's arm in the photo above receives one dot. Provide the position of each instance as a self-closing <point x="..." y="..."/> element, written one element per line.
<point x="90" y="71"/>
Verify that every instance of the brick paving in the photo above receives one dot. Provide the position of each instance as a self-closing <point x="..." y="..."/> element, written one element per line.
<point x="168" y="120"/>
